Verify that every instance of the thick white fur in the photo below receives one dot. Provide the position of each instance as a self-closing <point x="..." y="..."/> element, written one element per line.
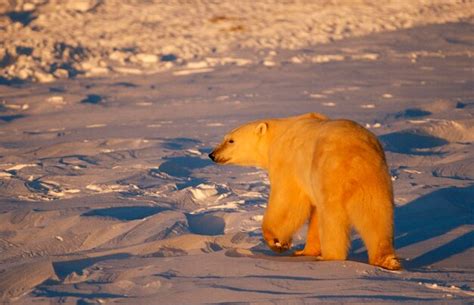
<point x="332" y="172"/>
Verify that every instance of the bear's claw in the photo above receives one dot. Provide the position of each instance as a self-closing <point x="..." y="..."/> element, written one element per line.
<point x="390" y="262"/>
<point x="280" y="247"/>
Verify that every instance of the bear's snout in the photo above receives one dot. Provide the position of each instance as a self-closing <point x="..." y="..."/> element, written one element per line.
<point x="217" y="157"/>
<point x="212" y="156"/>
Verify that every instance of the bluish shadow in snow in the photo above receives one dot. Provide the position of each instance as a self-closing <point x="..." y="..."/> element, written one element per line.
<point x="168" y="57"/>
<point x="24" y="17"/>
<point x="458" y="245"/>
<point x="433" y="215"/>
<point x="286" y="277"/>
<point x="190" y="183"/>
<point x="11" y="118"/>
<point x="64" y="268"/>
<point x="64" y="294"/>
<point x="182" y="166"/>
<point x="57" y="89"/>
<point x="93" y="99"/>
<point x="411" y="113"/>
<point x="126" y="213"/>
<point x="205" y="224"/>
<point x="363" y="299"/>
<point x="411" y="142"/>
<point x="249" y="290"/>
<point x="14" y="82"/>
<point x="206" y="150"/>
<point x="180" y="143"/>
<point x="124" y="84"/>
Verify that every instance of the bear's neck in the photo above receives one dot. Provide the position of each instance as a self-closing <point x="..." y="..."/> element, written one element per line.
<point x="265" y="151"/>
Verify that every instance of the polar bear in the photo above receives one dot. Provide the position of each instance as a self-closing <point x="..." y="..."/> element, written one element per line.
<point x="332" y="172"/>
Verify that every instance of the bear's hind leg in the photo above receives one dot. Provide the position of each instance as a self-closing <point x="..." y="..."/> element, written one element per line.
<point x="376" y="230"/>
<point x="334" y="230"/>
<point x="313" y="245"/>
<point x="380" y="249"/>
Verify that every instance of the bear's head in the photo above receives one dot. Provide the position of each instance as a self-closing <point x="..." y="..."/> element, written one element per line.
<point x="246" y="146"/>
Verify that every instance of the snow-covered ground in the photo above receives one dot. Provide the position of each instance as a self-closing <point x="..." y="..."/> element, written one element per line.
<point x="106" y="192"/>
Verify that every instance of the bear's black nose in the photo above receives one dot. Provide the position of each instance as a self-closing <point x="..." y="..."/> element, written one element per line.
<point x="212" y="156"/>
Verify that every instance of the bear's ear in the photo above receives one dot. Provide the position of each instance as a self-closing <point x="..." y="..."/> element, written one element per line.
<point x="261" y="128"/>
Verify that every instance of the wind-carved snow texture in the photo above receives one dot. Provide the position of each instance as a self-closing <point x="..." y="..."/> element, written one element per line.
<point x="107" y="194"/>
<point x="46" y="40"/>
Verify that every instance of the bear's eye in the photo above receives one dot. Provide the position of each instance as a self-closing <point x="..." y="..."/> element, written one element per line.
<point x="231" y="141"/>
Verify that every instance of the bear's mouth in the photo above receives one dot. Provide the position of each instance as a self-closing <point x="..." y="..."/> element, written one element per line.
<point x="221" y="160"/>
<point x="218" y="159"/>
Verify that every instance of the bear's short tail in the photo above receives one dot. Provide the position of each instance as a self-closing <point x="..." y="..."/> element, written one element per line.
<point x="390" y="262"/>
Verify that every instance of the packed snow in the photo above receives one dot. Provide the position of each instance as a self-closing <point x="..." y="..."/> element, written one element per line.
<point x="108" y="110"/>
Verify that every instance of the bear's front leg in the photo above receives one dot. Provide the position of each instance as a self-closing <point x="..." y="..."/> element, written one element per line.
<point x="276" y="228"/>
<point x="313" y="245"/>
<point x="288" y="208"/>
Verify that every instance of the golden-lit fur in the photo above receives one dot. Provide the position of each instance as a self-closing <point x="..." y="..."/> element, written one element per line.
<point x="332" y="172"/>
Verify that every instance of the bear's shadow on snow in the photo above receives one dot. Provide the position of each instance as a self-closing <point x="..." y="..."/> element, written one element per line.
<point x="430" y="216"/>
<point x="433" y="215"/>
